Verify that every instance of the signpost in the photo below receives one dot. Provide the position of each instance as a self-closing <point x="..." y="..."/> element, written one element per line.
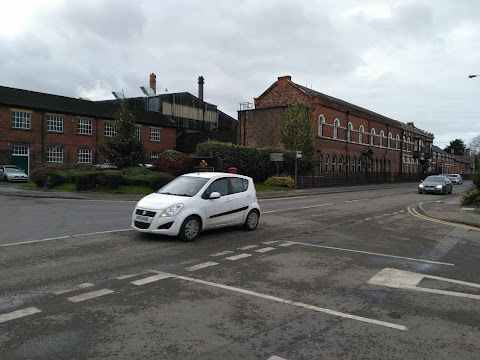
<point x="298" y="156"/>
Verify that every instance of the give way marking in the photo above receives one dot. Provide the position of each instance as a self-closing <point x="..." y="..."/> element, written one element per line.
<point x="401" y="279"/>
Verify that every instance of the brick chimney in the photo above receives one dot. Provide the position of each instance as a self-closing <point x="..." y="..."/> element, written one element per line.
<point x="153" y="82"/>
<point x="200" y="87"/>
<point x="282" y="80"/>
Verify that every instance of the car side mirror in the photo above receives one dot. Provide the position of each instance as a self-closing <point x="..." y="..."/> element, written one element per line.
<point x="215" y="195"/>
<point x="421" y="181"/>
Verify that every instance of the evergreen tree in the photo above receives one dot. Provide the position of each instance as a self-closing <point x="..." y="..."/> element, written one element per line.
<point x="124" y="149"/>
<point x="457" y="146"/>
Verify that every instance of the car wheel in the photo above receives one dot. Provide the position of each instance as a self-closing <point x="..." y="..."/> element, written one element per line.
<point x="5" y="178"/>
<point x="190" y="228"/>
<point x="420" y="192"/>
<point x="251" y="221"/>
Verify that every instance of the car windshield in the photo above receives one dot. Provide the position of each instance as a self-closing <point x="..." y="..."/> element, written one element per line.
<point x="183" y="186"/>
<point x="435" y="179"/>
<point x="13" y="170"/>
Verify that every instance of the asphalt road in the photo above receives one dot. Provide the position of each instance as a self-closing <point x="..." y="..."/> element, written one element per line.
<point x="343" y="276"/>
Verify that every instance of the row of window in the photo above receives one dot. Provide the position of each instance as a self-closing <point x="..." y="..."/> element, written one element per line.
<point x="22" y="120"/>
<point x="355" y="164"/>
<point x="84" y="155"/>
<point x="362" y="137"/>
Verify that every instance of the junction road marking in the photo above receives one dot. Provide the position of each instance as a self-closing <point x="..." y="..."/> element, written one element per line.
<point x="149" y="279"/>
<point x="222" y="253"/>
<point x="78" y="287"/>
<point x="18" y="314"/>
<point x="401" y="279"/>
<point x="275" y="358"/>
<point x="90" y="295"/>
<point x="248" y="247"/>
<point x="265" y="249"/>
<point x="286" y="244"/>
<point x="202" y="266"/>
<point x="289" y="302"/>
<point x="411" y="209"/>
<point x="373" y="253"/>
<point x="237" y="257"/>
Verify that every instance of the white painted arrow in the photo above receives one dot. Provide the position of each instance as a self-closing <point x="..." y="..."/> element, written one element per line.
<point x="401" y="279"/>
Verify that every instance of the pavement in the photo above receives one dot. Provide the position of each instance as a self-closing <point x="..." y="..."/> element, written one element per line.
<point x="445" y="209"/>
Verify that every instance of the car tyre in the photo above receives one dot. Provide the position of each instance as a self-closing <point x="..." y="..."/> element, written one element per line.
<point x="190" y="228"/>
<point x="420" y="192"/>
<point x="251" y="222"/>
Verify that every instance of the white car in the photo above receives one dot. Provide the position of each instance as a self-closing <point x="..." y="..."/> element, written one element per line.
<point x="455" y="179"/>
<point x="12" y="173"/>
<point x="199" y="201"/>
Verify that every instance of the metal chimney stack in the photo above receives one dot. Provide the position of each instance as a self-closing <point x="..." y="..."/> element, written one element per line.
<point x="200" y="87"/>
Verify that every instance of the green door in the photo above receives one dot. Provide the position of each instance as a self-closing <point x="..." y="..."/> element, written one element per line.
<point x="20" y="157"/>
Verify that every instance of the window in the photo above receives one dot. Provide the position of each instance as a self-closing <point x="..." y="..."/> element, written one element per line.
<point x="84" y="126"/>
<point x="334" y="163"/>
<point x="320" y="163"/>
<point x="55" y="154"/>
<point x="238" y="185"/>
<point x="382" y="135"/>
<point x="340" y="164"/>
<point x="348" y="165"/>
<point x="110" y="129"/>
<point x="361" y="130"/>
<point x="21" y="120"/>
<point x="154" y="134"/>
<point x="389" y="143"/>
<point x="327" y="159"/>
<point x="220" y="186"/>
<point x="397" y="141"/>
<point x="55" y="123"/>
<point x="372" y="137"/>
<point x="408" y="144"/>
<point x="84" y="156"/>
<point x="154" y="155"/>
<point x="320" y="122"/>
<point x="349" y="130"/>
<point x="137" y="131"/>
<point x="19" y="150"/>
<point x="354" y="164"/>
<point x="336" y="125"/>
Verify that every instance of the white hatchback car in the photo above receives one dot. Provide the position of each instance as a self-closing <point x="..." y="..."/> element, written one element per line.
<point x="456" y="179"/>
<point x="199" y="201"/>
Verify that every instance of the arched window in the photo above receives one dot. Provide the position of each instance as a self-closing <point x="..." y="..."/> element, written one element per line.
<point x="404" y="143"/>
<point x="354" y="164"/>
<point x="349" y="131"/>
<point x="348" y="165"/>
<point x="372" y="137"/>
<point x="397" y="142"/>
<point x="389" y="143"/>
<point x="361" y="130"/>
<point x="336" y="125"/>
<point x="320" y="163"/>
<point x="327" y="160"/>
<point x="408" y="144"/>
<point x="320" y="122"/>
<point x="340" y="164"/>
<point x="382" y="135"/>
<point x="334" y="163"/>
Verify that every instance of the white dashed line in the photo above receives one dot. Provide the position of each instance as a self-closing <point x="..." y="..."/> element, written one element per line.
<point x="237" y="257"/>
<point x="123" y="277"/>
<point x="265" y="249"/>
<point x="287" y="244"/>
<point x="18" y="314"/>
<point x="149" y="279"/>
<point x="222" y="253"/>
<point x="78" y="287"/>
<point x="275" y="358"/>
<point x="202" y="266"/>
<point x="315" y="206"/>
<point x="90" y="295"/>
<point x="248" y="247"/>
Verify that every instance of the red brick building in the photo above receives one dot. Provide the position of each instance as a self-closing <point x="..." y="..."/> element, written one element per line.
<point x="349" y="138"/>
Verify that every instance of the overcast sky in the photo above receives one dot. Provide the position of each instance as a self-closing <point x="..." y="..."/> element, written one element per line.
<point x="405" y="59"/>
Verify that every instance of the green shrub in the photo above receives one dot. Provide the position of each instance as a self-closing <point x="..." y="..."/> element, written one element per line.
<point x="281" y="180"/>
<point x="98" y="180"/>
<point x="476" y="180"/>
<point x="471" y="197"/>
<point x="47" y="179"/>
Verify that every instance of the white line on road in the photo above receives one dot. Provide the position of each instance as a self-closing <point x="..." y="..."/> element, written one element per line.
<point x="77" y="287"/>
<point x="90" y="295"/>
<point x="202" y="266"/>
<point x="265" y="249"/>
<point x="373" y="253"/>
<point x="289" y="302"/>
<point x="222" y="253"/>
<point x="248" y="247"/>
<point x="123" y="277"/>
<point x="64" y="237"/>
<point x="275" y="358"/>
<point x="288" y="243"/>
<point x="18" y="314"/>
<point x="237" y="257"/>
<point x="149" y="279"/>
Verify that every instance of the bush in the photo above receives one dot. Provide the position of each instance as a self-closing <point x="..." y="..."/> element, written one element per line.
<point x="47" y="179"/>
<point x="476" y="180"/>
<point x="471" y="197"/>
<point x="152" y="179"/>
<point x="98" y="180"/>
<point x="281" y="180"/>
<point x="173" y="162"/>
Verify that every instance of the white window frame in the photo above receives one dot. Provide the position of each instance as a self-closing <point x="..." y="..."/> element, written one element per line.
<point x="84" y="156"/>
<point x="55" y="123"/>
<point x="382" y="136"/>
<point x="21" y="120"/>
<point x="54" y="154"/>
<point x="84" y="126"/>
<point x="361" y="131"/>
<point x="372" y="137"/>
<point x="336" y="125"/>
<point x="349" y="131"/>
<point x="155" y="134"/>
<point x="137" y="131"/>
<point x="320" y="122"/>
<point x="110" y="129"/>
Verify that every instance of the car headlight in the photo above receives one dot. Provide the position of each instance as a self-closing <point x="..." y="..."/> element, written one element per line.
<point x="172" y="210"/>
<point x="439" y="186"/>
<point x="420" y="186"/>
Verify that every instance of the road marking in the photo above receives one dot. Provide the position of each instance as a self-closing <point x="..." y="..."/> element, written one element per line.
<point x="248" y="247"/>
<point x="64" y="237"/>
<point x="289" y="302"/>
<point x="373" y="253"/>
<point x="288" y="243"/>
<point x="90" y="295"/>
<point x="78" y="287"/>
<point x="314" y="206"/>
<point x="237" y="257"/>
<point x="265" y="249"/>
<point x="401" y="279"/>
<point x="222" y="253"/>
<point x="411" y="209"/>
<point x="349" y="201"/>
<point x="149" y="279"/>
<point x="18" y="314"/>
<point x="275" y="358"/>
<point x="123" y="277"/>
<point x="202" y="266"/>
